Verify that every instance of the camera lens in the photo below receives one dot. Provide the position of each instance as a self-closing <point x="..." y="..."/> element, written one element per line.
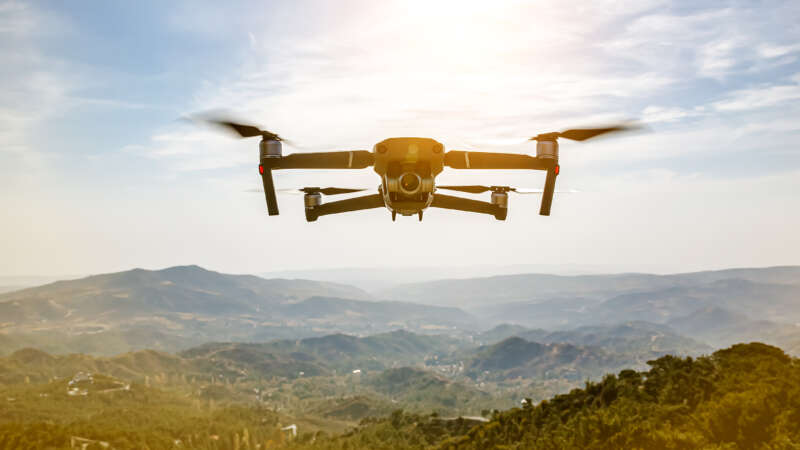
<point x="409" y="182"/>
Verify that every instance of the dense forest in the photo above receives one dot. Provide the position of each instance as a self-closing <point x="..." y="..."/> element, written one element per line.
<point x="743" y="397"/>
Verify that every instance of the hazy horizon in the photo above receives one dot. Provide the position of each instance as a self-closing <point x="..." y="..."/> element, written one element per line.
<point x="427" y="273"/>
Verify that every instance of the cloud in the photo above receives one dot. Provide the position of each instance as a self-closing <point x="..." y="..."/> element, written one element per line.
<point x="655" y="114"/>
<point x="708" y="42"/>
<point x="34" y="89"/>
<point x="776" y="51"/>
<point x="760" y="97"/>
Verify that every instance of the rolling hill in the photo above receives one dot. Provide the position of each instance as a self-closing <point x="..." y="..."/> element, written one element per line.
<point x="535" y="288"/>
<point x="642" y="340"/>
<point x="180" y="307"/>
<point x="518" y="358"/>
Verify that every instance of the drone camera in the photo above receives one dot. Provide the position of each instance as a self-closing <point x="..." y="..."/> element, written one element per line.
<point x="409" y="183"/>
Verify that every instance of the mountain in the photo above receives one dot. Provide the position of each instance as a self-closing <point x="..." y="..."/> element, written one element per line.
<point x="374" y="279"/>
<point x="518" y="358"/>
<point x="777" y="302"/>
<point x="38" y="366"/>
<point x="721" y="327"/>
<point x="326" y="355"/>
<point x="417" y="387"/>
<point x="535" y="288"/>
<point x="770" y="294"/>
<point x="179" y="307"/>
<point x="504" y="331"/>
<point x="641" y="339"/>
<point x="186" y="289"/>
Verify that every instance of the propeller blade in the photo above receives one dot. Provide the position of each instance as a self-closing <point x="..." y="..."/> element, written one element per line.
<point x="240" y="129"/>
<point x="478" y="189"/>
<point x="331" y="190"/>
<point x="582" y="134"/>
<point x="472" y="189"/>
<point x="323" y="191"/>
<point x="541" y="191"/>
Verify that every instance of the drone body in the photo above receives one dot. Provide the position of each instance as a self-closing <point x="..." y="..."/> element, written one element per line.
<point x="408" y="167"/>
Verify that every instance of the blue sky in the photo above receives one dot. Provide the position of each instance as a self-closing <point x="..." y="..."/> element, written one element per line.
<point x="98" y="173"/>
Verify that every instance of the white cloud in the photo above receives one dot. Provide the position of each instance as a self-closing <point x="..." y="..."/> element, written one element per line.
<point x="760" y="97"/>
<point x="459" y="72"/>
<point x="34" y="89"/>
<point x="776" y="51"/>
<point x="654" y="114"/>
<point x="710" y="43"/>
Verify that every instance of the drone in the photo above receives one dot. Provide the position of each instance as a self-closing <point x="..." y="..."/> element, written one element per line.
<point x="408" y="167"/>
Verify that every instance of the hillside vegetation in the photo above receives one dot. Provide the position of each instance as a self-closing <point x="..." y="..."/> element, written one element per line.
<point x="743" y="397"/>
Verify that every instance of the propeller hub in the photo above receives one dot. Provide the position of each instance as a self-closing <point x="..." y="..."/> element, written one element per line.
<point x="546" y="137"/>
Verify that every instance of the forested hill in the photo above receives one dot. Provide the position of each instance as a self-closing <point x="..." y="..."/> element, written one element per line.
<point x="743" y="397"/>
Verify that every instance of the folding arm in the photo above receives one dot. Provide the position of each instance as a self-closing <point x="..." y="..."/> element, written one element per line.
<point x="458" y="159"/>
<point x="347" y="205"/>
<point x="271" y="159"/>
<point x="469" y="205"/>
<point x="355" y="159"/>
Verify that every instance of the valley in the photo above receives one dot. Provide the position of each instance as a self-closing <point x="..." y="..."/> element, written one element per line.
<point x="329" y="358"/>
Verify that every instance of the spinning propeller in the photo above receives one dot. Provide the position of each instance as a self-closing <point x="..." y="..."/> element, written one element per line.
<point x="478" y="189"/>
<point x="246" y="131"/>
<point x="323" y="191"/>
<point x="272" y="157"/>
<point x="396" y="165"/>
<point x="582" y="134"/>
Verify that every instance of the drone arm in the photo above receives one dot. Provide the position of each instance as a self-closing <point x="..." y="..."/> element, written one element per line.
<point x="468" y="205"/>
<point x="347" y="205"/>
<point x="355" y="159"/>
<point x="459" y="159"/>
<point x="269" y="191"/>
<point x="549" y="190"/>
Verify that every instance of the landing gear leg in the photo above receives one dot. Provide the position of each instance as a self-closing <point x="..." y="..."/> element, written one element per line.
<point x="394" y="215"/>
<point x="420" y="216"/>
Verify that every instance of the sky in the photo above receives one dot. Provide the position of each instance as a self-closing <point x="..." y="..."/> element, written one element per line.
<point x="99" y="173"/>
